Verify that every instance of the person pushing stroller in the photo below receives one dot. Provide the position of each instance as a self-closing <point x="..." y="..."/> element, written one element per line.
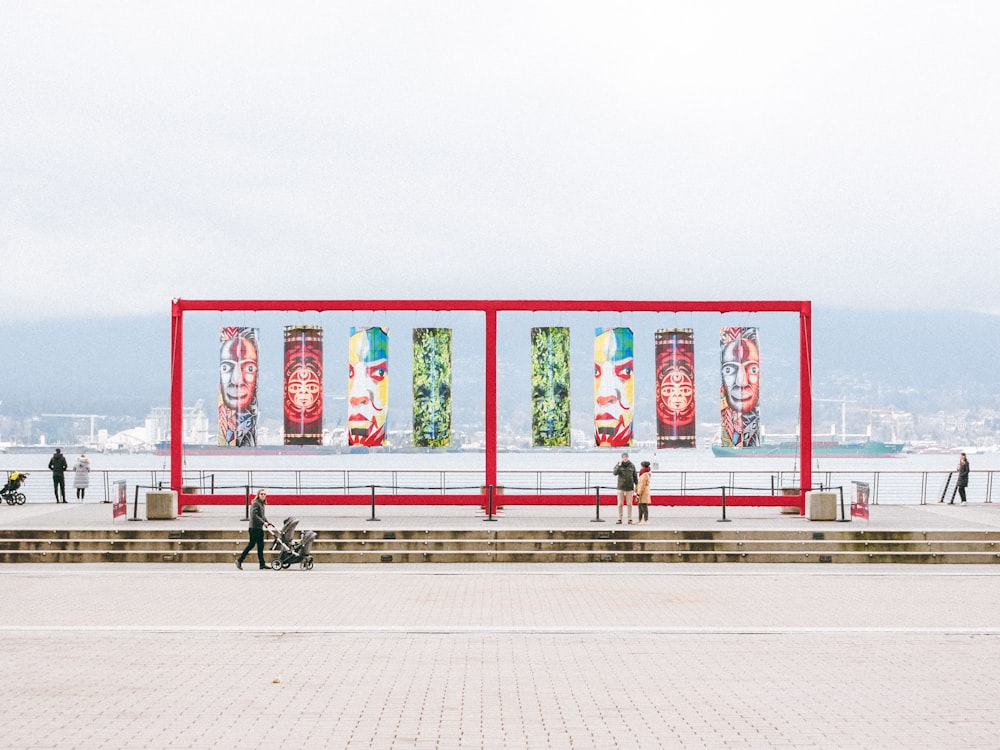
<point x="258" y="520"/>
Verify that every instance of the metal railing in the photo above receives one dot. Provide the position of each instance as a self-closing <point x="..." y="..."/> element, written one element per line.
<point x="886" y="487"/>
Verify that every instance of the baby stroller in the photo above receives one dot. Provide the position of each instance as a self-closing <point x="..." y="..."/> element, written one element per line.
<point x="10" y="490"/>
<point x="292" y="551"/>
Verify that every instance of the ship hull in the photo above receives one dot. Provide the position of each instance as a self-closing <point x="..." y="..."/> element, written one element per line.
<point x="866" y="449"/>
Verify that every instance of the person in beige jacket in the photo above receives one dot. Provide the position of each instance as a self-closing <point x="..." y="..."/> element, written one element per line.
<point x="642" y="491"/>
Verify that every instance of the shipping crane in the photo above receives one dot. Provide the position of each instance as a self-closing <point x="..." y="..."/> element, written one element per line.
<point x="92" y="417"/>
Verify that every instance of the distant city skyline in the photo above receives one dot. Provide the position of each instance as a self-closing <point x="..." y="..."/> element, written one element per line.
<point x="869" y="360"/>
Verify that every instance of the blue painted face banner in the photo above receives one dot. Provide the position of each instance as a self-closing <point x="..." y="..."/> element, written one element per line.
<point x="368" y="386"/>
<point x="614" y="387"/>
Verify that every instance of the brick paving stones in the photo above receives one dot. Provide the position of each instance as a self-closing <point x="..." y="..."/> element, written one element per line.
<point x="501" y="656"/>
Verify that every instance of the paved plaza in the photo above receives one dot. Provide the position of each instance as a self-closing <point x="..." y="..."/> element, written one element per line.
<point x="502" y="656"/>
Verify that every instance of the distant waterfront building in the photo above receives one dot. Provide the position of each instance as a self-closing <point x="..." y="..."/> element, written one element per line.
<point x="195" y="426"/>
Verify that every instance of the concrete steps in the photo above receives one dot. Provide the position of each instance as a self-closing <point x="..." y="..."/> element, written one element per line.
<point x="513" y="545"/>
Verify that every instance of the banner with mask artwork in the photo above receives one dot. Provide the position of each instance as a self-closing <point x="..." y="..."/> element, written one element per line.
<point x="740" y="393"/>
<point x="431" y="387"/>
<point x="614" y="387"/>
<point x="303" y="387"/>
<point x="674" y="350"/>
<point x="238" y="366"/>
<point x="367" y="386"/>
<point x="550" y="387"/>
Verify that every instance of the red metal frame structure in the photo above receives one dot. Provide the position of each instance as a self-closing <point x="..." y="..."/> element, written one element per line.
<point x="490" y="308"/>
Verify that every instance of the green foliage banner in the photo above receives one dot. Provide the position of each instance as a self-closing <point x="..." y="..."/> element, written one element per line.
<point x="431" y="387"/>
<point x="550" y="387"/>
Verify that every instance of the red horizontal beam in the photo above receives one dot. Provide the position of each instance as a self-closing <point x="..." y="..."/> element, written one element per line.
<point x="465" y="305"/>
<point x="498" y="500"/>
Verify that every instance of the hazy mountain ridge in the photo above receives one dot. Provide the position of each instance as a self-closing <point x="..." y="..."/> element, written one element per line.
<point x="910" y="361"/>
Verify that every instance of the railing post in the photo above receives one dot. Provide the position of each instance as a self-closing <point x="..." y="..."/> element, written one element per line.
<point x="373" y="504"/>
<point x="597" y="506"/>
<point x="723" y="519"/>
<point x="490" y="501"/>
<point x="135" y="505"/>
<point x="944" y="492"/>
<point x="246" y="502"/>
<point x="843" y="518"/>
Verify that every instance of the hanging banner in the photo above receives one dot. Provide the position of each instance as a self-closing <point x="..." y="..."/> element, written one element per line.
<point x="238" y="367"/>
<point x="614" y="387"/>
<point x="675" y="425"/>
<point x="740" y="393"/>
<point x="550" y="387"/>
<point x="431" y="387"/>
<point x="303" y="388"/>
<point x="367" y="386"/>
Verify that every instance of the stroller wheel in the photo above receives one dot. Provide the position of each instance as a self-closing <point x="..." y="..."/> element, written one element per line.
<point x="276" y="563"/>
<point x="19" y="498"/>
<point x="9" y="499"/>
<point x="307" y="564"/>
<point x="285" y="565"/>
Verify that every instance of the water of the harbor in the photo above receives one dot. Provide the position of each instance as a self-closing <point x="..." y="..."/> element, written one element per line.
<point x="694" y="460"/>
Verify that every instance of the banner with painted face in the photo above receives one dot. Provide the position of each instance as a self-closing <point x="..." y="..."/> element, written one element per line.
<point x="614" y="387"/>
<point x="368" y="386"/>
<point x="550" y="424"/>
<point x="431" y="387"/>
<point x="675" y="424"/>
<point x="303" y="387"/>
<point x="238" y="367"/>
<point x="740" y="393"/>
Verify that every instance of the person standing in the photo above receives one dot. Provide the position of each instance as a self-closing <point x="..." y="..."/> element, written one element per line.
<point x="963" y="476"/>
<point x="627" y="479"/>
<point x="257" y="522"/>
<point x="58" y="466"/>
<point x="642" y="491"/>
<point x="81" y="476"/>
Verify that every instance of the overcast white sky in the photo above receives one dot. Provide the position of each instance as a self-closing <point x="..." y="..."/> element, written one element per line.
<point x="843" y="152"/>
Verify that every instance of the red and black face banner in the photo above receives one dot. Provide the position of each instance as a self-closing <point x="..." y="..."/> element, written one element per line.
<point x="675" y="424"/>
<point x="303" y="399"/>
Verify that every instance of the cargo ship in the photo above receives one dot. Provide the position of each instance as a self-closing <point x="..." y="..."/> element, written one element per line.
<point x="820" y="449"/>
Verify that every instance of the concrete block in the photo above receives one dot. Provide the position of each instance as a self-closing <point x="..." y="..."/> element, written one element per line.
<point x="821" y="506"/>
<point x="161" y="505"/>
<point x="190" y="508"/>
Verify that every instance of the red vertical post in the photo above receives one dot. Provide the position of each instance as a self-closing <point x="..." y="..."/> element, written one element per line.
<point x="805" y="396"/>
<point x="177" y="399"/>
<point x="491" y="395"/>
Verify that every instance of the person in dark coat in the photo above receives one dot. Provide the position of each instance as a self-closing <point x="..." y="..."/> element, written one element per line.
<point x="627" y="479"/>
<point x="58" y="466"/>
<point x="257" y="523"/>
<point x="963" y="476"/>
